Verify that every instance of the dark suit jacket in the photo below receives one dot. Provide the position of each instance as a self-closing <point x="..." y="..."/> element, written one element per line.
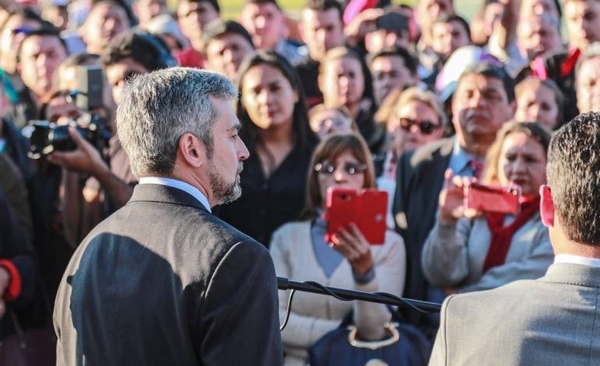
<point x="419" y="180"/>
<point x="164" y="282"/>
<point x="549" y="321"/>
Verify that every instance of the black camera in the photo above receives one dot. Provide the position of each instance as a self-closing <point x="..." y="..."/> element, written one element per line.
<point x="46" y="137"/>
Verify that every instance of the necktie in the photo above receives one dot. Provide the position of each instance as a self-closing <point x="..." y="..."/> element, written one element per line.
<point x="476" y="167"/>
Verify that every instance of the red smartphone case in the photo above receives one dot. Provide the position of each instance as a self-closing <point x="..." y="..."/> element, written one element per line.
<point x="368" y="210"/>
<point x="495" y="199"/>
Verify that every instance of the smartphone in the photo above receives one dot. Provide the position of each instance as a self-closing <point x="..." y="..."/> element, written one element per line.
<point x="367" y="209"/>
<point x="497" y="199"/>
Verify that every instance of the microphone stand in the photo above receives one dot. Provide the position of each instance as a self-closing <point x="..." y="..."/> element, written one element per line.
<point x="348" y="295"/>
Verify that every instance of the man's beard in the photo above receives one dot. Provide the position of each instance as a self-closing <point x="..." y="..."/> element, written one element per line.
<point x="223" y="191"/>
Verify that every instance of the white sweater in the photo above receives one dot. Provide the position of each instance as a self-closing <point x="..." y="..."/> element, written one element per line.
<point x="314" y="315"/>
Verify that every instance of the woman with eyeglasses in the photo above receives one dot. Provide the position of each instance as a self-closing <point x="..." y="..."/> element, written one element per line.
<point x="415" y="119"/>
<point x="300" y="252"/>
<point x="469" y="250"/>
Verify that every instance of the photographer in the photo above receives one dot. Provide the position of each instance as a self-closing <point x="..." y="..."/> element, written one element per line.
<point x="473" y="251"/>
<point x="111" y="183"/>
<point x="85" y="202"/>
<point x="40" y="53"/>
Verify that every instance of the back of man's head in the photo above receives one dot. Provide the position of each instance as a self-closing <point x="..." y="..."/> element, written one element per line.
<point x="170" y="102"/>
<point x="573" y="174"/>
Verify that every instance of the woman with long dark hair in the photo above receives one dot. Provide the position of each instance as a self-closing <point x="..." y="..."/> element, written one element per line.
<point x="273" y="112"/>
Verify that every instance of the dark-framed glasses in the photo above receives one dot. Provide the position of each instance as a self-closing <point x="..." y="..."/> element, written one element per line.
<point x="327" y="168"/>
<point x="426" y="127"/>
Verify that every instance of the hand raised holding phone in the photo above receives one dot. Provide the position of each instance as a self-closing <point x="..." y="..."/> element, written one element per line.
<point x="452" y="198"/>
<point x="351" y="243"/>
<point x="465" y="197"/>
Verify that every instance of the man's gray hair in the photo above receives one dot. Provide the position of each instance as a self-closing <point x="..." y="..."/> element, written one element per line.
<point x="157" y="108"/>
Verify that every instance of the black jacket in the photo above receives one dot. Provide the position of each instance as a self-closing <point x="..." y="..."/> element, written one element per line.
<point x="164" y="282"/>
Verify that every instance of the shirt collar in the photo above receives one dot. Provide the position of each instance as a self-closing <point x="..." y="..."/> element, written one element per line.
<point x="174" y="183"/>
<point x="576" y="259"/>
<point x="459" y="161"/>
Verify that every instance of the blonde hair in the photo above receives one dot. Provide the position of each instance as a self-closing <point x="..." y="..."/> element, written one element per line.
<point x="411" y="94"/>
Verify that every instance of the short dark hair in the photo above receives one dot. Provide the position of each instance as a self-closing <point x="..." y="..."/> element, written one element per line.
<point x="409" y="60"/>
<point x="134" y="45"/>
<point x="323" y="5"/>
<point x="219" y="28"/>
<point x="213" y="3"/>
<point x="492" y="70"/>
<point x="120" y="4"/>
<point x="573" y="172"/>
<point x="46" y="31"/>
<point x="261" y="2"/>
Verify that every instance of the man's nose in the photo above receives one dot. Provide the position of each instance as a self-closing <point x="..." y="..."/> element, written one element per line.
<point x="243" y="152"/>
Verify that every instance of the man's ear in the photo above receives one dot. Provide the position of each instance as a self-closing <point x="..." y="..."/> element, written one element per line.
<point x="546" y="206"/>
<point x="191" y="150"/>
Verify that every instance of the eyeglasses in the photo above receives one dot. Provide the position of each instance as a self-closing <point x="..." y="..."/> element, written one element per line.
<point x="426" y="127"/>
<point x="335" y="122"/>
<point x="350" y="168"/>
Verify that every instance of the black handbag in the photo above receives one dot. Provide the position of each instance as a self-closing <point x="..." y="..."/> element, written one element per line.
<point x="405" y="346"/>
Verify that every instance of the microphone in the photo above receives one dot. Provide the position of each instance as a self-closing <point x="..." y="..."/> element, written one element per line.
<point x="349" y="295"/>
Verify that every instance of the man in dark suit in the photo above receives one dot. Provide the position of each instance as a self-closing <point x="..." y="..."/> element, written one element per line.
<point x="552" y="320"/>
<point x="162" y="281"/>
<point x="482" y="102"/>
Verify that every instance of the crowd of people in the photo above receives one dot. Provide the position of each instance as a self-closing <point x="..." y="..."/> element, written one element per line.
<point x="101" y="101"/>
